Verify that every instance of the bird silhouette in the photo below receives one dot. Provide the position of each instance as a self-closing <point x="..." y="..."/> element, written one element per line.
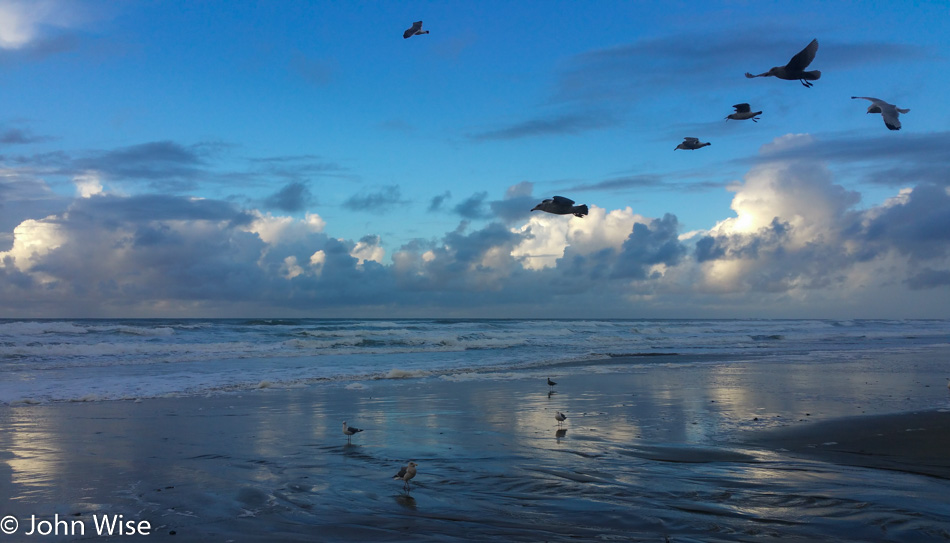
<point x="560" y="205"/>
<point x="414" y="30"/>
<point x="743" y="112"/>
<point x="795" y="69"/>
<point x="691" y="143"/>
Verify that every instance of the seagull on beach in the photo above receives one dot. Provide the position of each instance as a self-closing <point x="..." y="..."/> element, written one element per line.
<point x="560" y="417"/>
<point x="349" y="431"/>
<point x="795" y="69"/>
<point x="414" y="30"/>
<point x="551" y="383"/>
<point x="405" y="474"/>
<point x="560" y="205"/>
<point x="743" y="112"/>
<point x="890" y="112"/>
<point x="691" y="143"/>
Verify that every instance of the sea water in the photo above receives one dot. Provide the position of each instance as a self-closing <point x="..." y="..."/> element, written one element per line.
<point x="111" y="359"/>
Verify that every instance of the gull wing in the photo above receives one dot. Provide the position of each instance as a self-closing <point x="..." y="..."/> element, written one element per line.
<point x="562" y="201"/>
<point x="889" y="112"/>
<point x="742" y="108"/>
<point x="690" y="140"/>
<point x="804" y="57"/>
<point x="876" y="101"/>
<point x="411" y="31"/>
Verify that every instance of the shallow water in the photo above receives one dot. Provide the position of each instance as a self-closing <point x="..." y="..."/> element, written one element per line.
<point x="647" y="452"/>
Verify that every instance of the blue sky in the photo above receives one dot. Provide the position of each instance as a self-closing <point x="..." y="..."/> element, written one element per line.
<point x="302" y="158"/>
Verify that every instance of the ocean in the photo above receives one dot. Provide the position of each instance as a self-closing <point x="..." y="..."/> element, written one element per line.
<point x="81" y="360"/>
<point x="230" y="430"/>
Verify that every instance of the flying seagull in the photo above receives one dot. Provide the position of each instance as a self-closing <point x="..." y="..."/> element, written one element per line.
<point x="349" y="431"/>
<point x="414" y="30"/>
<point x="743" y="112"/>
<point x="691" y="143"/>
<point x="795" y="69"/>
<point x="560" y="417"/>
<point x="560" y="205"/>
<point x="405" y="474"/>
<point x="890" y="112"/>
<point x="550" y="382"/>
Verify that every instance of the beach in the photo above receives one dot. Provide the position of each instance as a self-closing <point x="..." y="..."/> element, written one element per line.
<point x="650" y="450"/>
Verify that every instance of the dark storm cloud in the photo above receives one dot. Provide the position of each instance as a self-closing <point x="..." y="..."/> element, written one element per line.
<point x="381" y="201"/>
<point x="291" y="197"/>
<point x="571" y="123"/>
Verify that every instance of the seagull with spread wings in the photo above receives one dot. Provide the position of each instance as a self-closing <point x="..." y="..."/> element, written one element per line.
<point x="795" y="69"/>
<point x="890" y="112"/>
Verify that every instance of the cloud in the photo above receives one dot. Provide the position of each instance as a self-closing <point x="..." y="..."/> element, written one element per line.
<point x="291" y="197"/>
<point x="473" y="207"/>
<point x="798" y="244"/>
<point x="165" y="165"/>
<point x="436" y="203"/>
<point x="622" y="183"/>
<point x="20" y="136"/>
<point x="647" y="67"/>
<point x="37" y="28"/>
<point x="569" y="123"/>
<point x="889" y="161"/>
<point x="795" y="229"/>
<point x="295" y="167"/>
<point x="517" y="203"/>
<point x="382" y="200"/>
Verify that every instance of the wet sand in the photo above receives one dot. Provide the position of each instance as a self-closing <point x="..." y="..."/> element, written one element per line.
<point x="709" y="452"/>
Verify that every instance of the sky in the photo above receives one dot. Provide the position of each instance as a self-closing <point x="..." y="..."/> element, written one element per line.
<point x="234" y="158"/>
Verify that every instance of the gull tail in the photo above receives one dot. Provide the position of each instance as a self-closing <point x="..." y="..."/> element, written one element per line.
<point x="580" y="211"/>
<point x="812" y="75"/>
<point x="903" y="110"/>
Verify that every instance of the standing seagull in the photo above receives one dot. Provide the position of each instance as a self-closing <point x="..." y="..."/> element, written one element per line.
<point x="691" y="143"/>
<point x="560" y="417"/>
<point x="551" y="383"/>
<point x="743" y="112"/>
<point x="795" y="69"/>
<point x="414" y="30"/>
<point x="560" y="205"/>
<point x="405" y="474"/>
<point x="890" y="112"/>
<point x="349" y="431"/>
